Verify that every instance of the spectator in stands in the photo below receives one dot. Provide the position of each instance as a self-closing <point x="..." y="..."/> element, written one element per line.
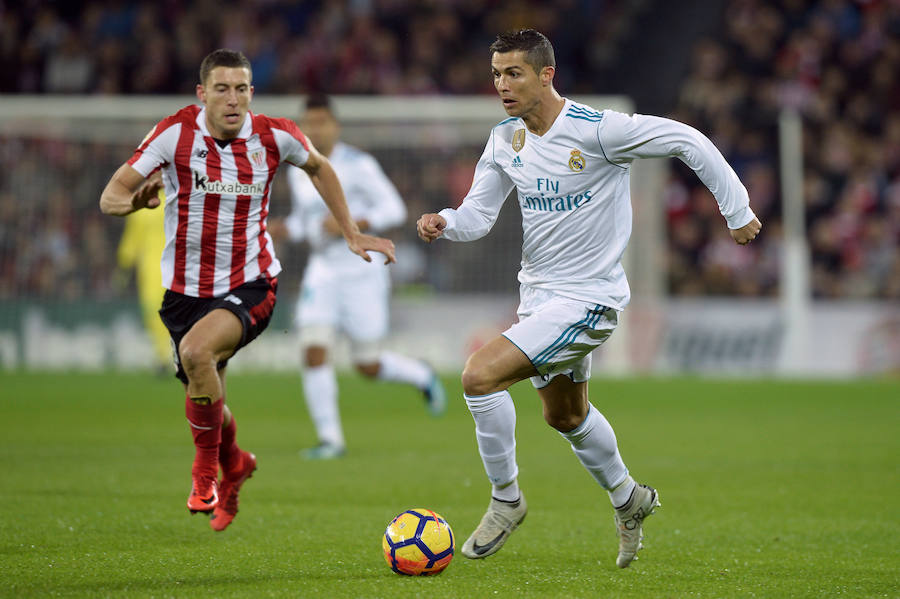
<point x="833" y="60"/>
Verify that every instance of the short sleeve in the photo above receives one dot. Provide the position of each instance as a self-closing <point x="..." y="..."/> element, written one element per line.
<point x="157" y="149"/>
<point x="293" y="146"/>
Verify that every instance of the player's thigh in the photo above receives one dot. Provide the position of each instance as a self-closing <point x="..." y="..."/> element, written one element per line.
<point x="558" y="334"/>
<point x="218" y="333"/>
<point x="365" y="307"/>
<point x="318" y="303"/>
<point x="495" y="366"/>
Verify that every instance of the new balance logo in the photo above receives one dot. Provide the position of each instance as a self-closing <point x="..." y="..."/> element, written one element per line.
<point x="233" y="299"/>
<point x="517" y="162"/>
<point x="201" y="153"/>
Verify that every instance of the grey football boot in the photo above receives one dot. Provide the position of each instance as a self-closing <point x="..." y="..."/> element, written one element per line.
<point x="630" y="520"/>
<point x="500" y="520"/>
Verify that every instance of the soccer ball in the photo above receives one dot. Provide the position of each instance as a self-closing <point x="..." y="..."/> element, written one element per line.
<point x="418" y="542"/>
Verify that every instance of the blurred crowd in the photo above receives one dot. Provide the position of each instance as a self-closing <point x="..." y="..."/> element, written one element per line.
<point x="295" y="46"/>
<point x="55" y="243"/>
<point x="837" y="62"/>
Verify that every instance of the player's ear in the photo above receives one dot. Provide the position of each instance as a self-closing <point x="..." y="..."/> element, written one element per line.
<point x="547" y="75"/>
<point x="201" y="93"/>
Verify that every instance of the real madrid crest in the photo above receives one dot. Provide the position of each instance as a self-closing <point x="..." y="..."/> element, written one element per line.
<point x="576" y="161"/>
<point x="518" y="140"/>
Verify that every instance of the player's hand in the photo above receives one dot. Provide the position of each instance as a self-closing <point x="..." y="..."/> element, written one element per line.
<point x="430" y="227"/>
<point x="747" y="233"/>
<point x="360" y="244"/>
<point x="147" y="195"/>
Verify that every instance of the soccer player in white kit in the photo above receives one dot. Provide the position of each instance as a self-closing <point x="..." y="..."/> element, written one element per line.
<point x="569" y="164"/>
<point x="340" y="292"/>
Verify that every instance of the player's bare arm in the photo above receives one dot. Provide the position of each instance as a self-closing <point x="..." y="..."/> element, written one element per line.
<point x="331" y="226"/>
<point x="325" y="180"/>
<point x="128" y="191"/>
<point x="430" y="227"/>
<point x="747" y="233"/>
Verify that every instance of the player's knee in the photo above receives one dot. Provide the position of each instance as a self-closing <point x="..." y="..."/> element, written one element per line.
<point x="478" y="380"/>
<point x="563" y="422"/>
<point x="194" y="356"/>
<point x="369" y="370"/>
<point x="565" y="417"/>
<point x="315" y="355"/>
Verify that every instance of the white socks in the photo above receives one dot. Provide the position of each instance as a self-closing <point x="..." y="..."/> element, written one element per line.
<point x="401" y="369"/>
<point x="621" y="494"/>
<point x="594" y="442"/>
<point x="509" y="493"/>
<point x="320" y="390"/>
<point x="495" y="431"/>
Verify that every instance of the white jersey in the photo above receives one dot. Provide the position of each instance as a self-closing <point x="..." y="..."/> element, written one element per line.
<point x="370" y="195"/>
<point x="573" y="191"/>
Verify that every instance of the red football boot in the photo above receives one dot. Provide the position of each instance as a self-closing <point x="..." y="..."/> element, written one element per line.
<point x="204" y="497"/>
<point x="232" y="480"/>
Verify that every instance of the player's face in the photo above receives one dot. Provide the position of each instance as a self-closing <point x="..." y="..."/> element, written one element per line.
<point x="226" y="93"/>
<point x="520" y="88"/>
<point x="322" y="129"/>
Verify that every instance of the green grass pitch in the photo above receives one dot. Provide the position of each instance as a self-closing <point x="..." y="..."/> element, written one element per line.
<point x="768" y="489"/>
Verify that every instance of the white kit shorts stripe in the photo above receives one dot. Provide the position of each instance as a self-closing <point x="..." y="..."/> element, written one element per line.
<point x="559" y="333"/>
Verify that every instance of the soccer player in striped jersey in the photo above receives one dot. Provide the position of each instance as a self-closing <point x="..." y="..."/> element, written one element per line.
<point x="340" y="293"/>
<point x="216" y="165"/>
<point x="569" y="164"/>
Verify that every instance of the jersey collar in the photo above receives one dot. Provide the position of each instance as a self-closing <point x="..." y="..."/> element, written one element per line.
<point x="554" y="125"/>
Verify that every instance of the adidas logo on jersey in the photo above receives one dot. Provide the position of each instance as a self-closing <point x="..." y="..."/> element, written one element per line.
<point x="517" y="162"/>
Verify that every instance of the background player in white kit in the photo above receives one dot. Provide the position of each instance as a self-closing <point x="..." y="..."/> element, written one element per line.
<point x="340" y="292"/>
<point x="570" y="167"/>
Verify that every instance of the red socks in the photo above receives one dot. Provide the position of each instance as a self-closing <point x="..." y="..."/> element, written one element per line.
<point x="205" y="419"/>
<point x="229" y="452"/>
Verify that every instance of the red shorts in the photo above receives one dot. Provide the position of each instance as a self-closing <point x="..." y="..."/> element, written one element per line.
<point x="253" y="303"/>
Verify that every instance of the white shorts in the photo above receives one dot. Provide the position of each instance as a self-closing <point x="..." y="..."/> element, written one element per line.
<point x="354" y="305"/>
<point x="558" y="333"/>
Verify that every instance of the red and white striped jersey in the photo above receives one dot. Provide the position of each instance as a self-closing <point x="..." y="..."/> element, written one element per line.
<point x="217" y="198"/>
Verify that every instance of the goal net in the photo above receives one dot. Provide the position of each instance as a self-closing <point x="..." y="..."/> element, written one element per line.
<point x="63" y="303"/>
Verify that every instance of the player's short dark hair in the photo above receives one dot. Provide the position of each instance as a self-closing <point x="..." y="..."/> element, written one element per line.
<point x="538" y="49"/>
<point x="319" y="100"/>
<point x="223" y="57"/>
